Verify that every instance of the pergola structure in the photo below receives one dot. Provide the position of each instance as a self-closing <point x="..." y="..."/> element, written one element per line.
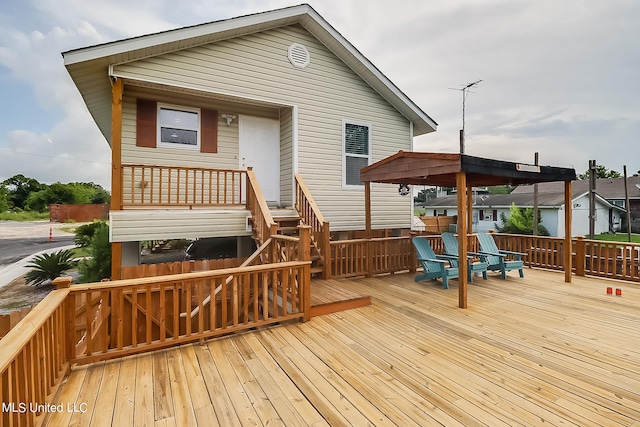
<point x="465" y="172"/>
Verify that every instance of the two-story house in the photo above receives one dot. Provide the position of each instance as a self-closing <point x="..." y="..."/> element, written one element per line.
<point x="209" y="123"/>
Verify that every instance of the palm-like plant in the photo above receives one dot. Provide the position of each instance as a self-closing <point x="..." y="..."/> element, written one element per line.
<point x="47" y="267"/>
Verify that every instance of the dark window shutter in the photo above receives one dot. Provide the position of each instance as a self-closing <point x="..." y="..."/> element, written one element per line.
<point x="480" y="215"/>
<point x="495" y="215"/>
<point x="146" y="123"/>
<point x="209" y="136"/>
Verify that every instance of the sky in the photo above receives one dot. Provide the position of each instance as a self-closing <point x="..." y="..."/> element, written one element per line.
<point x="558" y="77"/>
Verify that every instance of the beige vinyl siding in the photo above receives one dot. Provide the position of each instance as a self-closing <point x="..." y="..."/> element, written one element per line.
<point x="129" y="226"/>
<point x="326" y="92"/>
<point x="286" y="157"/>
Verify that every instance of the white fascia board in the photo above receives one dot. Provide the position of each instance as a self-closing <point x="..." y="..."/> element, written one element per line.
<point x="171" y="36"/>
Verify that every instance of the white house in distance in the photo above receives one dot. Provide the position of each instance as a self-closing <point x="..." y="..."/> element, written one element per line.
<point x="487" y="209"/>
<point x="188" y="111"/>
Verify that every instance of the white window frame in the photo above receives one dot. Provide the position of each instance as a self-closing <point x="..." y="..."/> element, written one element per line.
<point x="346" y="186"/>
<point x="160" y="143"/>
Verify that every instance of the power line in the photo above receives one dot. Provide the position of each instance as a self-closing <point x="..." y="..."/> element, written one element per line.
<point x="55" y="157"/>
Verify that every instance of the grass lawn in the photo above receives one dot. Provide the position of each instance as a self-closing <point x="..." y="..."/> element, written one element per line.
<point x="618" y="237"/>
<point x="23" y="216"/>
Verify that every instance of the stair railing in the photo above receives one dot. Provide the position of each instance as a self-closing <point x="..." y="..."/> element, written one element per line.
<point x="311" y="216"/>
<point x="263" y="224"/>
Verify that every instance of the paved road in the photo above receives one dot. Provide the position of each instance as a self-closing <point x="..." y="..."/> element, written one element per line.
<point x="13" y="250"/>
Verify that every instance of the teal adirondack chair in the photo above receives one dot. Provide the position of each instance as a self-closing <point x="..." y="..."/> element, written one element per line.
<point x="451" y="248"/>
<point x="499" y="260"/>
<point x="434" y="266"/>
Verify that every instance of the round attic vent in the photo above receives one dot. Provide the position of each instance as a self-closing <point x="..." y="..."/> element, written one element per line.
<point x="299" y="55"/>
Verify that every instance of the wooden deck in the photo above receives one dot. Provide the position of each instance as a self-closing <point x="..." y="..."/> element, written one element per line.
<point x="532" y="351"/>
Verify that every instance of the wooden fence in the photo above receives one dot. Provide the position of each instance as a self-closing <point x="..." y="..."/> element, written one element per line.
<point x="179" y="267"/>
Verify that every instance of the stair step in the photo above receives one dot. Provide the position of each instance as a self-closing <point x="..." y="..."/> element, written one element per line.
<point x="316" y="270"/>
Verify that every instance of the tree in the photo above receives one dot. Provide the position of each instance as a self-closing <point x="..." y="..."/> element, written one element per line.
<point x="19" y="188"/>
<point x="601" y="172"/>
<point x="5" y="204"/>
<point x="425" y="194"/>
<point x="46" y="267"/>
<point x="501" y="189"/>
<point x="520" y="221"/>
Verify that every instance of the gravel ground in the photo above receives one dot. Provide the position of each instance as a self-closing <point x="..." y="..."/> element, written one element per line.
<point x="17" y="294"/>
<point x="16" y="229"/>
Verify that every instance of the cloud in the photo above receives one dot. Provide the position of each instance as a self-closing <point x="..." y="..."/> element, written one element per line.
<point x="558" y="77"/>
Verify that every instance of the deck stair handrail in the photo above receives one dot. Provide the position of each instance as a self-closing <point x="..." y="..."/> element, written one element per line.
<point x="284" y="248"/>
<point x="320" y="230"/>
<point x="263" y="226"/>
<point x="179" y="186"/>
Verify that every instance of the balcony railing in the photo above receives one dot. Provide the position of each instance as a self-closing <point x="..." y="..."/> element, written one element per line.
<point x="148" y="185"/>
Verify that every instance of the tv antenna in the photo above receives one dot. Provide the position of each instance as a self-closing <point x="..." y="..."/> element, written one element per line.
<point x="465" y="89"/>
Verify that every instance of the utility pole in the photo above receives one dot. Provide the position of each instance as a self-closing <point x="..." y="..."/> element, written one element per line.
<point x="535" y="199"/>
<point x="465" y="92"/>
<point x="592" y="198"/>
<point x="626" y="204"/>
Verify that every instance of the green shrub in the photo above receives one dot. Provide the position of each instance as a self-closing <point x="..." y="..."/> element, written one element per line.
<point x="47" y="267"/>
<point x="85" y="232"/>
<point x="520" y="221"/>
<point x="97" y="265"/>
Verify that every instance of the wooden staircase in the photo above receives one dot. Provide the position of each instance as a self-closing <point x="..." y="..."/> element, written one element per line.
<point x="288" y="221"/>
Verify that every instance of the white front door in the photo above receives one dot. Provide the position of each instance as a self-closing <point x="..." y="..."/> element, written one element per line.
<point x="260" y="149"/>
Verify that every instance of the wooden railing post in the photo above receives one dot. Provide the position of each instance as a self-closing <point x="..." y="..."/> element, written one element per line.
<point x="412" y="253"/>
<point x="326" y="251"/>
<point x="62" y="282"/>
<point x="581" y="255"/>
<point x="304" y="254"/>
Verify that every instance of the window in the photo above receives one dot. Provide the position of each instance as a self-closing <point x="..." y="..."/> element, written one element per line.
<point x="178" y="127"/>
<point x="163" y="125"/>
<point x="356" y="152"/>
<point x="486" y="216"/>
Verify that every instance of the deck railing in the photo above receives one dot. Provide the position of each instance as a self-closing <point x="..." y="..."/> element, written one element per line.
<point x="33" y="360"/>
<point x="98" y="321"/>
<point x="263" y="225"/>
<point x="614" y="260"/>
<point x="170" y="186"/>
<point x="311" y="216"/>
<point x="366" y="257"/>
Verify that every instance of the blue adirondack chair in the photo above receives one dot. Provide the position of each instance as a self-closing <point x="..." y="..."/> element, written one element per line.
<point x="500" y="260"/>
<point x="451" y="248"/>
<point x="434" y="266"/>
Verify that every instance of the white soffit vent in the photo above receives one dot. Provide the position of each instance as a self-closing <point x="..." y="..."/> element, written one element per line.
<point x="299" y="55"/>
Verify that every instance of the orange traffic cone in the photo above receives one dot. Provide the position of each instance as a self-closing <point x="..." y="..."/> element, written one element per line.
<point x="51" y="234"/>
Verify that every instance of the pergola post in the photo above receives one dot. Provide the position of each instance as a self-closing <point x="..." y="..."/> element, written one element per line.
<point x="461" y="184"/>
<point x="567" y="232"/>
<point x="367" y="215"/>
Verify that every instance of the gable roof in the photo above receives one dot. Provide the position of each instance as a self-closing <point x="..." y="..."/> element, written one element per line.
<point x="609" y="188"/>
<point x="89" y="66"/>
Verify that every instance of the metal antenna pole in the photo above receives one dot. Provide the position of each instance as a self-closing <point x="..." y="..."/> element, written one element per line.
<point x="465" y="92"/>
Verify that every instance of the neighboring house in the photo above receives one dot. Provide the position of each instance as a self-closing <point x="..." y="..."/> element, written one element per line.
<point x="281" y="92"/>
<point x="488" y="208"/>
<point x="611" y="189"/>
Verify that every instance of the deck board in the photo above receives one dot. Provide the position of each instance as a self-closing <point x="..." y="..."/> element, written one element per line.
<point x="530" y="351"/>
